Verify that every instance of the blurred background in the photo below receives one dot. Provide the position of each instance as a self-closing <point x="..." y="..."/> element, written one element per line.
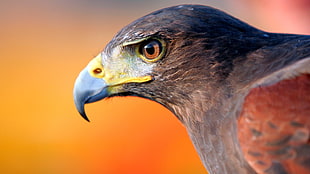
<point x="44" y="45"/>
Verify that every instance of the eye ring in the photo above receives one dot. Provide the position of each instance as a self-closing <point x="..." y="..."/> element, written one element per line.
<point x="151" y="50"/>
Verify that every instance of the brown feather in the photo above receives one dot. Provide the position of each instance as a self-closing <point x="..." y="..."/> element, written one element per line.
<point x="212" y="62"/>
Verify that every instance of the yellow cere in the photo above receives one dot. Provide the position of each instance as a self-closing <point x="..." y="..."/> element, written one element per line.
<point x="95" y="67"/>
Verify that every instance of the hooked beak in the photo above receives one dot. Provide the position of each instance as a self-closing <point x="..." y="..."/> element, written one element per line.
<point x="88" y="89"/>
<point x="96" y="82"/>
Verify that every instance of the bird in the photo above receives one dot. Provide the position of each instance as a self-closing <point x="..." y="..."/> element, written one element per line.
<point x="243" y="94"/>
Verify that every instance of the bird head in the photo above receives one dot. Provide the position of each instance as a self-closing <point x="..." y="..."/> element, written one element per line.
<point x="200" y="63"/>
<point x="167" y="56"/>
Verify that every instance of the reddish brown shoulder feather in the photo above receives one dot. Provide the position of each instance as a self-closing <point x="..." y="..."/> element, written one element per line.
<point x="274" y="127"/>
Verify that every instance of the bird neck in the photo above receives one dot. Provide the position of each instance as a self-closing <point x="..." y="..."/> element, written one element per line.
<point x="217" y="148"/>
<point x="214" y="135"/>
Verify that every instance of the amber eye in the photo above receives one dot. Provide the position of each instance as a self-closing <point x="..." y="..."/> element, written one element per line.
<point x="151" y="50"/>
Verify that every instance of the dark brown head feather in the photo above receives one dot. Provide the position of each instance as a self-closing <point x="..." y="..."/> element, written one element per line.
<point x="211" y="62"/>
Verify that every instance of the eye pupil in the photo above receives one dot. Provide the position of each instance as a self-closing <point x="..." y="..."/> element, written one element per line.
<point x="151" y="49"/>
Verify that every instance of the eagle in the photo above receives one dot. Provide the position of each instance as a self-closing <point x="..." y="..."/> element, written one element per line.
<point x="242" y="94"/>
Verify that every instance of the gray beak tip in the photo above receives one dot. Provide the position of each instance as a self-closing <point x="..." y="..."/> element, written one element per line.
<point x="88" y="89"/>
<point x="84" y="116"/>
<point x="80" y="107"/>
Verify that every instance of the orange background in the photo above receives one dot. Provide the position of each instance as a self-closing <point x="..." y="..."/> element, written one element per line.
<point x="43" y="46"/>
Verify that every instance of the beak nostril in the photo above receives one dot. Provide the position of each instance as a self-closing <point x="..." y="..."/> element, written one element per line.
<point x="97" y="71"/>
